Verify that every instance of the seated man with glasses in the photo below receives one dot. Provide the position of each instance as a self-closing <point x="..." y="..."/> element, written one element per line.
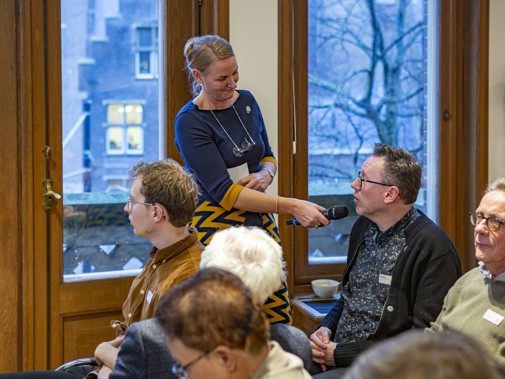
<point x="475" y="305"/>
<point x="216" y="328"/>
<point x="161" y="205"/>
<point x="400" y="264"/>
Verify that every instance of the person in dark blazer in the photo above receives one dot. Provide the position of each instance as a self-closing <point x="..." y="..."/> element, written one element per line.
<point x="143" y="353"/>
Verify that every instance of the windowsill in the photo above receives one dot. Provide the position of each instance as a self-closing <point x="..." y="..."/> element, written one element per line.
<point x="309" y="310"/>
<point x="68" y="278"/>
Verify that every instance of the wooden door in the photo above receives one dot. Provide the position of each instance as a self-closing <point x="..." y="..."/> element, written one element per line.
<point x="65" y="315"/>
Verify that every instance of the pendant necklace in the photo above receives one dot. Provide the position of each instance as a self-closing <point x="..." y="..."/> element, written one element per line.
<point x="246" y="145"/>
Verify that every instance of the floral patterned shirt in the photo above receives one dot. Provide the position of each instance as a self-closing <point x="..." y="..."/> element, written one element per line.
<point x="367" y="290"/>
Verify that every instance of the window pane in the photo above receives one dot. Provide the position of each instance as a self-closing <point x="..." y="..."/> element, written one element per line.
<point x="144" y="63"/>
<point x="103" y="132"/>
<point x="115" y="114"/>
<point x="144" y="37"/>
<point x="367" y="84"/>
<point x="115" y="139"/>
<point x="135" y="137"/>
<point x="133" y="113"/>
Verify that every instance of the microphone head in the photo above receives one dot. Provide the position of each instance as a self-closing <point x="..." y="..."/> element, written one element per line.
<point x="337" y="212"/>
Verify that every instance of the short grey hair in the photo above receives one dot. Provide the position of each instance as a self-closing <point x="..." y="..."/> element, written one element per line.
<point x="497" y="184"/>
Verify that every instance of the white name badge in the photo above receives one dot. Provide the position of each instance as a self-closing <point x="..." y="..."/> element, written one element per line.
<point x="149" y="297"/>
<point x="385" y="279"/>
<point x="238" y="172"/>
<point x="493" y="317"/>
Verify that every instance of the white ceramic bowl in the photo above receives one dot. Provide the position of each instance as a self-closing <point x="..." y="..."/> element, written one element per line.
<point x="324" y="287"/>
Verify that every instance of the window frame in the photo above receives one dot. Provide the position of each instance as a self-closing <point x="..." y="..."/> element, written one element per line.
<point x="462" y="119"/>
<point x="152" y="50"/>
<point x="125" y="150"/>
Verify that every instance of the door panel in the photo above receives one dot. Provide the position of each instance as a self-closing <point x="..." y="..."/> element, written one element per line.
<point x="86" y="328"/>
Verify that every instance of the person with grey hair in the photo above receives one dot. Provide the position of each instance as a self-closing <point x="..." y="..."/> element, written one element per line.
<point x="400" y="264"/>
<point x="418" y="355"/>
<point x="216" y="329"/>
<point x="256" y="258"/>
<point x="222" y="138"/>
<point x="475" y="305"/>
<point x="249" y="253"/>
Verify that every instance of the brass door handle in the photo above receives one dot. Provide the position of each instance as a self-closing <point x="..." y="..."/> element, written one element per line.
<point x="48" y="195"/>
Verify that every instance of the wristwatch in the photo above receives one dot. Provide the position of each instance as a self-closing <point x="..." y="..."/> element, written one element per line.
<point x="269" y="172"/>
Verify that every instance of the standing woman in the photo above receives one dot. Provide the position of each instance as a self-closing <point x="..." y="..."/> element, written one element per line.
<point x="223" y="141"/>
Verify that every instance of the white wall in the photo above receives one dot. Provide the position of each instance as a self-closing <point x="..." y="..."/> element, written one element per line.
<point x="496" y="90"/>
<point x="253" y="35"/>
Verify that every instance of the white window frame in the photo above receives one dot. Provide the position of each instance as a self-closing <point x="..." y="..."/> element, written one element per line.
<point x="152" y="50"/>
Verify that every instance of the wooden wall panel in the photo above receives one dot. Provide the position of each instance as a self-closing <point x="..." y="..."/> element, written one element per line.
<point x="88" y="330"/>
<point x="10" y="258"/>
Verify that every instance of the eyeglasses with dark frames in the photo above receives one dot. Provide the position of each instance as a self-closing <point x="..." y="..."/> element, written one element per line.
<point x="180" y="371"/>
<point x="361" y="180"/>
<point x="493" y="223"/>
<point x="130" y="203"/>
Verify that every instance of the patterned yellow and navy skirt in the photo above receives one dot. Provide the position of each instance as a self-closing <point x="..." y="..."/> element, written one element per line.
<point x="210" y="218"/>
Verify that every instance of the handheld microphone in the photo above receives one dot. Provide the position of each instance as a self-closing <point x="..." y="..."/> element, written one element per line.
<point x="333" y="213"/>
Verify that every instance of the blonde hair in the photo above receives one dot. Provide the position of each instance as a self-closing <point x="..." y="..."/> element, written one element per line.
<point x="250" y="253"/>
<point x="200" y="52"/>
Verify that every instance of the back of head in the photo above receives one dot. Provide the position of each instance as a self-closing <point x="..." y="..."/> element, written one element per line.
<point x="249" y="253"/>
<point x="201" y="51"/>
<point x="213" y="308"/>
<point x="418" y="355"/>
<point x="167" y="183"/>
<point x="402" y="169"/>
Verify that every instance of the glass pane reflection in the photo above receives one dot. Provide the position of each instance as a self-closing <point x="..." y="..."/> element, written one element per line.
<point x="361" y="92"/>
<point x="108" y="115"/>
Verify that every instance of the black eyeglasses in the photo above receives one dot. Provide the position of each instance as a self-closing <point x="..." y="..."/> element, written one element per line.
<point x="492" y="223"/>
<point x="361" y="180"/>
<point x="130" y="202"/>
<point x="180" y="371"/>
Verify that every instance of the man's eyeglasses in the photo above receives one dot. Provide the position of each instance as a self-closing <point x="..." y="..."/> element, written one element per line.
<point x="130" y="202"/>
<point x="180" y="371"/>
<point x="492" y="223"/>
<point x="361" y="180"/>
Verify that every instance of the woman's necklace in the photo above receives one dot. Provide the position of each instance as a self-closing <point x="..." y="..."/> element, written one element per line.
<point x="246" y="145"/>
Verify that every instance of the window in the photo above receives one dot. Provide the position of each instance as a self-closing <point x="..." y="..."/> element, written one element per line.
<point x="104" y="132"/>
<point x="367" y="75"/>
<point x="456" y="143"/>
<point x="124" y="129"/>
<point x="146" y="52"/>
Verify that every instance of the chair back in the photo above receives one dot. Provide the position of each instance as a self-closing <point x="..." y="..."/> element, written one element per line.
<point x="294" y="341"/>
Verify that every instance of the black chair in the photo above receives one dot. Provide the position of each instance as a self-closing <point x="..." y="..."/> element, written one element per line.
<point x="294" y="341"/>
<point x="78" y="362"/>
